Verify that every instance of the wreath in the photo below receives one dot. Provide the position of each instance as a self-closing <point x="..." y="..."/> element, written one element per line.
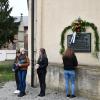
<point x="80" y="26"/>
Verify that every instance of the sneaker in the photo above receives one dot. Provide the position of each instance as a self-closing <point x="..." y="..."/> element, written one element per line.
<point x="68" y="95"/>
<point x="21" y="95"/>
<point x="72" y="96"/>
<point x="16" y="92"/>
<point x="24" y="93"/>
<point x="41" y="95"/>
<point x="38" y="94"/>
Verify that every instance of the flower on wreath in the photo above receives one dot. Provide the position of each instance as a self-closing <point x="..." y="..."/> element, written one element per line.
<point x="78" y="25"/>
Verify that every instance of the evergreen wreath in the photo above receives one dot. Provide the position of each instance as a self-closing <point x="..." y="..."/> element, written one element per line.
<point x="81" y="26"/>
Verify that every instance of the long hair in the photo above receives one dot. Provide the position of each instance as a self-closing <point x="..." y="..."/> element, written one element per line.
<point x="43" y="53"/>
<point x="16" y="58"/>
<point x="68" y="53"/>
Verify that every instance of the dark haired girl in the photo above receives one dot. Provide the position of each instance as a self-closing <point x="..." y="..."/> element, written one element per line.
<point x="42" y="64"/>
<point x="16" y="69"/>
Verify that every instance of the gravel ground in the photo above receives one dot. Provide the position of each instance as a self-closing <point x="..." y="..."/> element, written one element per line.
<point x="6" y="93"/>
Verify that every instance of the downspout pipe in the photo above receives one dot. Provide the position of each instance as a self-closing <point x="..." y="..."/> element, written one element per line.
<point x="32" y="43"/>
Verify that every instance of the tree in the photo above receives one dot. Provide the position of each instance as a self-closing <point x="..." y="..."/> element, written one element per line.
<point x="8" y="26"/>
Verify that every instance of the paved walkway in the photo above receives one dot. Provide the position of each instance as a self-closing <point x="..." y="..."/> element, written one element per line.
<point x="6" y="93"/>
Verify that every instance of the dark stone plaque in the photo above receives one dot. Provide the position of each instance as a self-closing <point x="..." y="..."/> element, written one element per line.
<point x="82" y="42"/>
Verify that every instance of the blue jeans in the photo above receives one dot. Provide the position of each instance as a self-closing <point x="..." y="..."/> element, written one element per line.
<point x="69" y="77"/>
<point x="22" y="80"/>
<point x="17" y="79"/>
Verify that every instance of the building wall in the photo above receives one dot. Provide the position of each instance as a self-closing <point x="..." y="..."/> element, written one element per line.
<point x="7" y="55"/>
<point x="53" y="16"/>
<point x="26" y="41"/>
<point x="21" y="35"/>
<point x="29" y="41"/>
<point x="87" y="80"/>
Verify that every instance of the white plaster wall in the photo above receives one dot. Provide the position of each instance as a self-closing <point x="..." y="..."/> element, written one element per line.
<point x="7" y="55"/>
<point x="54" y="15"/>
<point x="29" y="42"/>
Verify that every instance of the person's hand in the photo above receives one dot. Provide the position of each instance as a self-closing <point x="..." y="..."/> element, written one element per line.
<point x="37" y="66"/>
<point x="13" y="70"/>
<point x="19" y="65"/>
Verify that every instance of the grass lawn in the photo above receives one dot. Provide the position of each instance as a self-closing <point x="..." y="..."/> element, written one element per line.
<point x="6" y="73"/>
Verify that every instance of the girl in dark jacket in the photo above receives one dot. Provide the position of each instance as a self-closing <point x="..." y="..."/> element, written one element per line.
<point x="42" y="64"/>
<point x="16" y="69"/>
<point x="70" y="63"/>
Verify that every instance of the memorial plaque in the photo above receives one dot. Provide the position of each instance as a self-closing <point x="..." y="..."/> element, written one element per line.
<point x="82" y="42"/>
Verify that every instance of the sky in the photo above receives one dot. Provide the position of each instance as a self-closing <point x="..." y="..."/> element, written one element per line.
<point x="19" y="6"/>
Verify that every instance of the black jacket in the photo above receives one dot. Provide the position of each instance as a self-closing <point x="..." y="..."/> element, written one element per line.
<point x="43" y="63"/>
<point x="70" y="63"/>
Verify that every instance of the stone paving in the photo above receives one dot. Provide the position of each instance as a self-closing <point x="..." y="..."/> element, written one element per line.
<point x="6" y="93"/>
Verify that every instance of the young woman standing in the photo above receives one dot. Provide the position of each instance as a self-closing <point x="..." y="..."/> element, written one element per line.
<point x="23" y="63"/>
<point x="42" y="64"/>
<point x="16" y="69"/>
<point x="70" y="63"/>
